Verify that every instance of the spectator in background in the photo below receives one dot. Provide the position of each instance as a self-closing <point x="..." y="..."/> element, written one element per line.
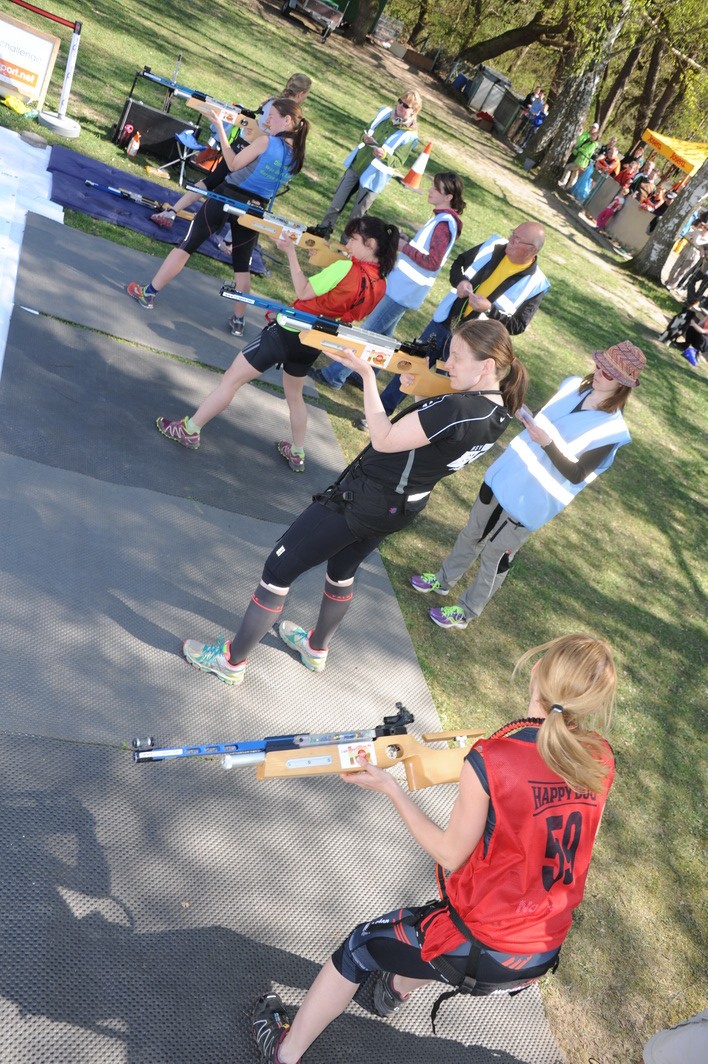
<point x="608" y="162"/>
<point x="636" y="155"/>
<point x="517" y="126"/>
<point x="605" y="216"/>
<point x="583" y="152"/>
<point x="626" y="175"/>
<point x="535" y="124"/>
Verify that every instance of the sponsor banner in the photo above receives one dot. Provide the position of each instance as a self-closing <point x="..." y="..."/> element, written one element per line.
<point x="26" y="60"/>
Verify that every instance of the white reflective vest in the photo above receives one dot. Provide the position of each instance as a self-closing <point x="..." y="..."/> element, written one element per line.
<point x="522" y="289"/>
<point x="408" y="283"/>
<point x="524" y="480"/>
<point x="377" y="175"/>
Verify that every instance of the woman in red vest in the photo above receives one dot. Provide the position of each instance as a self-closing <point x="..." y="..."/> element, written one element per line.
<point x="519" y="842"/>
<point x="348" y="290"/>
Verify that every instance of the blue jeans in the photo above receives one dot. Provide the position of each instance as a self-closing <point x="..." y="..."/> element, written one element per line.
<point x="383" y="320"/>
<point x="392" y="395"/>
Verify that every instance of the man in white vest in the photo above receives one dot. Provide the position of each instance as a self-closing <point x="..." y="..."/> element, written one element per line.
<point x="368" y="168"/>
<point x="499" y="278"/>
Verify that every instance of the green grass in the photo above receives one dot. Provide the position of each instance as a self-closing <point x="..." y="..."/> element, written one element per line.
<point x="625" y="561"/>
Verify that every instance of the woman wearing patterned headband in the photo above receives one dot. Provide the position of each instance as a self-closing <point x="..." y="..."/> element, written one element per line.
<point x="519" y="842"/>
<point x="573" y="439"/>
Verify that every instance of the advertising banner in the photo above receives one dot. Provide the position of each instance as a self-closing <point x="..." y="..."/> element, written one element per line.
<point x="26" y="60"/>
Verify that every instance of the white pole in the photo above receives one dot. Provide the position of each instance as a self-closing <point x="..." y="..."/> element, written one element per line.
<point x="69" y="72"/>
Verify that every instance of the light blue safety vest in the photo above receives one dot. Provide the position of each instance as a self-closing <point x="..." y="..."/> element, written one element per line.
<point x="378" y="173"/>
<point x="526" y="287"/>
<point x="524" y="480"/>
<point x="408" y="283"/>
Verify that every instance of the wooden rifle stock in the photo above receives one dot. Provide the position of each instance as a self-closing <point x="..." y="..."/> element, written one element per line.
<point x="384" y="353"/>
<point x="320" y="252"/>
<point x="250" y="131"/>
<point x="424" y="766"/>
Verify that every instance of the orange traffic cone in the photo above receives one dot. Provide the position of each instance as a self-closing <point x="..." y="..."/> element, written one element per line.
<point x="412" y="178"/>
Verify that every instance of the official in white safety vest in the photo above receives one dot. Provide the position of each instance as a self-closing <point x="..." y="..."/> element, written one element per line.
<point x="573" y="439"/>
<point x="384" y="147"/>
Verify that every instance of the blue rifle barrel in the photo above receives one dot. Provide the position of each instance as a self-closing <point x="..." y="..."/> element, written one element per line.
<point x="182" y="90"/>
<point x="328" y="325"/>
<point x="246" y="208"/>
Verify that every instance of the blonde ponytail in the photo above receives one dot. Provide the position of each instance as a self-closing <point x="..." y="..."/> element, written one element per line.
<point x="575" y="683"/>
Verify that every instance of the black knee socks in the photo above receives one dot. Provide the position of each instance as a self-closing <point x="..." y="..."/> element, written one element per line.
<point x="335" y="603"/>
<point x="264" y="608"/>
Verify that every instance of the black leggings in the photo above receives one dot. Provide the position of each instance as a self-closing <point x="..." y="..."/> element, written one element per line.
<point x="319" y="534"/>
<point x="391" y="943"/>
<point x="210" y="219"/>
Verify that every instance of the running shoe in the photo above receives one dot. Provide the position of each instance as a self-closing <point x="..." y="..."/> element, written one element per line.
<point x="165" y="219"/>
<point x="177" y="431"/>
<point x="298" y="639"/>
<point x="428" y="582"/>
<point x="295" y="461"/>
<point x="214" y="657"/>
<point x="449" y="617"/>
<point x="236" y="325"/>
<point x="270" y="1023"/>
<point x="137" y="292"/>
<point x="387" y="1000"/>
<point x="325" y="231"/>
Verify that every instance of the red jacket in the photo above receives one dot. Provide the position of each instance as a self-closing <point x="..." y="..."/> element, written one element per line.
<point x="353" y="298"/>
<point x="520" y="895"/>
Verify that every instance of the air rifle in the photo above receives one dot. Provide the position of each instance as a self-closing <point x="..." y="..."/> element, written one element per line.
<point x="233" y="114"/>
<point x="253" y="217"/>
<point x="386" y="745"/>
<point x="135" y="197"/>
<point x="384" y="352"/>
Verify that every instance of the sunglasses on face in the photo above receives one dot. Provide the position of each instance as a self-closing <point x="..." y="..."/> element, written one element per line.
<point x="404" y="103"/>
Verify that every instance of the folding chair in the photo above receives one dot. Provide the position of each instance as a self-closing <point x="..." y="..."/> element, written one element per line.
<point x="187" y="146"/>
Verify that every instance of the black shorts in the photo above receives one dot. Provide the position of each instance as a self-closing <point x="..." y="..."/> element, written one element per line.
<point x="280" y="347"/>
<point x="211" y="217"/>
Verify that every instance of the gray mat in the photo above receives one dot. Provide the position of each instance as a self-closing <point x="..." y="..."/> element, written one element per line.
<point x="144" y="907"/>
<point x="71" y="275"/>
<point x="83" y="401"/>
<point x="143" y="910"/>
<point x="107" y="581"/>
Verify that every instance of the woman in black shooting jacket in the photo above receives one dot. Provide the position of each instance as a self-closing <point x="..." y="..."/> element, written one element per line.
<point x="381" y="492"/>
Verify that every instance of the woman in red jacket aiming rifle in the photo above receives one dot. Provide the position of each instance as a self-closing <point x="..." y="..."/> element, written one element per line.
<point x="519" y="842"/>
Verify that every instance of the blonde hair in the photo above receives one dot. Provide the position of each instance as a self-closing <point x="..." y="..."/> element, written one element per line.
<point x="413" y="97"/>
<point x="576" y="675"/>
<point x="297" y="83"/>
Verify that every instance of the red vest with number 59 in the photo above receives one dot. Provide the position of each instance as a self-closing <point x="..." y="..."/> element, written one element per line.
<point x="520" y="895"/>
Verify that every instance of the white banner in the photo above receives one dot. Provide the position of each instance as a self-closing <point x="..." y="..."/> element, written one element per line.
<point x="26" y="59"/>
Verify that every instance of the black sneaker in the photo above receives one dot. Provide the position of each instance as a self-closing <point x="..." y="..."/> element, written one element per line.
<point x="325" y="231"/>
<point x="387" y="1000"/>
<point x="270" y="1022"/>
<point x="236" y="325"/>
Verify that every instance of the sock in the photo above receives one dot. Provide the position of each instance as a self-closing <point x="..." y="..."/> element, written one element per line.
<point x="335" y="603"/>
<point x="191" y="426"/>
<point x="264" y="608"/>
<point x="150" y="291"/>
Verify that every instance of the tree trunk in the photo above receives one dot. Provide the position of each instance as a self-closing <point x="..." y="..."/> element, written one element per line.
<point x="650" y="260"/>
<point x="420" y="23"/>
<point x="364" y="18"/>
<point x="616" y="90"/>
<point x="511" y="39"/>
<point x="574" y="101"/>
<point x="648" y="96"/>
<point x="674" y="85"/>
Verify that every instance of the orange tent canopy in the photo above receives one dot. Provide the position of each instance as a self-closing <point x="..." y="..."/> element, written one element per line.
<point x="688" y="155"/>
